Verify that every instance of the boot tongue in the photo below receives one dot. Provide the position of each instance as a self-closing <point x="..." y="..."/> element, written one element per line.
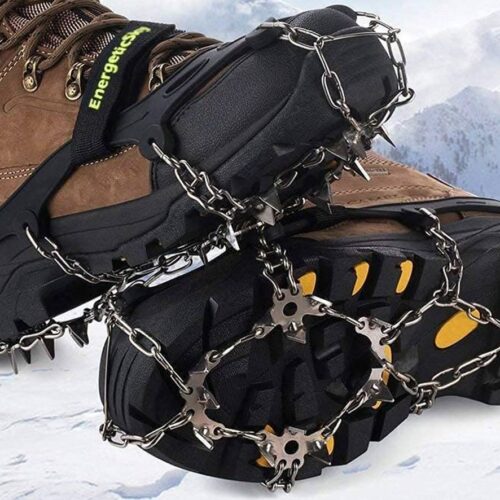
<point x="64" y="25"/>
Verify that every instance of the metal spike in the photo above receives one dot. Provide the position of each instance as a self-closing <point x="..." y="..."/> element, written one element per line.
<point x="78" y="330"/>
<point x="297" y="333"/>
<point x="266" y="215"/>
<point x="355" y="143"/>
<point x="270" y="205"/>
<point x="13" y="362"/>
<point x="323" y="198"/>
<point x="208" y="400"/>
<point x="231" y="238"/>
<point x="340" y="151"/>
<point x="26" y="355"/>
<point x="267" y="453"/>
<point x="358" y="168"/>
<point x="377" y="390"/>
<point x="321" y="455"/>
<point x="203" y="256"/>
<point x="383" y="133"/>
<point x="272" y="198"/>
<point x="78" y="341"/>
<point x="49" y="346"/>
<point x="204" y="440"/>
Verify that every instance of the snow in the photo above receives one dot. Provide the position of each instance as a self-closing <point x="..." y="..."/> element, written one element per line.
<point x="458" y="141"/>
<point x="50" y="447"/>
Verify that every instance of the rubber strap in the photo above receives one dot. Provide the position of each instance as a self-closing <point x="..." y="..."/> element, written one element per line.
<point x="114" y="84"/>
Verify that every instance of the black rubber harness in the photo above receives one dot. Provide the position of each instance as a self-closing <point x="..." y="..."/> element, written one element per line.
<point x="107" y="120"/>
<point x="408" y="214"/>
<point x="114" y="84"/>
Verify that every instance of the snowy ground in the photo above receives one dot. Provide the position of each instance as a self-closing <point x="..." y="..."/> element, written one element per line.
<point x="50" y="448"/>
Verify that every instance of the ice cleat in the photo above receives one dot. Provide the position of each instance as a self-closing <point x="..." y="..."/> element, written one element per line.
<point x="124" y="143"/>
<point x="316" y="340"/>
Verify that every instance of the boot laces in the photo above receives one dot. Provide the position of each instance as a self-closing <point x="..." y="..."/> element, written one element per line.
<point x="50" y="30"/>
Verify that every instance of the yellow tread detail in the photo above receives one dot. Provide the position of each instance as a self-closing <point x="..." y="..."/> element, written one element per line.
<point x="456" y="329"/>
<point x="308" y="283"/>
<point x="406" y="274"/>
<point x="362" y="270"/>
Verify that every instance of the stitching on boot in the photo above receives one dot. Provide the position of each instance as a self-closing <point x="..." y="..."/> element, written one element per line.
<point x="16" y="177"/>
<point x="388" y="188"/>
<point x="401" y="200"/>
<point x="12" y="63"/>
<point x="16" y="171"/>
<point x="116" y="155"/>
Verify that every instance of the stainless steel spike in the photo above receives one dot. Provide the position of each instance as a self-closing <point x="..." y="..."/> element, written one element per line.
<point x="49" y="347"/>
<point x="358" y="168"/>
<point x="270" y="205"/>
<point x="231" y="238"/>
<point x="355" y="142"/>
<point x="203" y="439"/>
<point x="376" y="388"/>
<point x="13" y="361"/>
<point x="26" y="355"/>
<point x="78" y="331"/>
<point x="383" y="133"/>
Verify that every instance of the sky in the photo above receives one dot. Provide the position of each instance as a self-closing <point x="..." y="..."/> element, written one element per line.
<point x="418" y="18"/>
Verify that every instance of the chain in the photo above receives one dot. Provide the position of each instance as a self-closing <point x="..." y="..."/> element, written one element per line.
<point x="46" y="335"/>
<point x="164" y="268"/>
<point x="331" y="82"/>
<point x="69" y="265"/>
<point x="447" y="296"/>
<point x="198" y="399"/>
<point x="200" y="188"/>
<point x="277" y="268"/>
<point x="276" y="263"/>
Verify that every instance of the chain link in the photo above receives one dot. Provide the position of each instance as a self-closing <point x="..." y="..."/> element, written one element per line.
<point x="276" y="265"/>
<point x="69" y="265"/>
<point x="45" y="335"/>
<point x="200" y="188"/>
<point x="277" y="268"/>
<point x="330" y="80"/>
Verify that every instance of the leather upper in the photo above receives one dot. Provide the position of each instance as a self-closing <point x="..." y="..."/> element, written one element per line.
<point x="391" y="182"/>
<point x="34" y="125"/>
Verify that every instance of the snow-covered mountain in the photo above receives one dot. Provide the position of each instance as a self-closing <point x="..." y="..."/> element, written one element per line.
<point x="442" y="65"/>
<point x="221" y="19"/>
<point x="459" y="141"/>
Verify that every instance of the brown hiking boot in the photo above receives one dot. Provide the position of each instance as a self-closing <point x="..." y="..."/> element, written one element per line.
<point x="397" y="291"/>
<point x="91" y="158"/>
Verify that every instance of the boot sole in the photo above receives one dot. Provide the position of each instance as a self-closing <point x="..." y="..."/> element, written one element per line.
<point x="279" y="383"/>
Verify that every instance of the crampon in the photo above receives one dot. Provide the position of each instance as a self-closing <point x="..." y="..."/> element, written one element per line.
<point x="276" y="298"/>
<point x="321" y="336"/>
<point x="228" y="136"/>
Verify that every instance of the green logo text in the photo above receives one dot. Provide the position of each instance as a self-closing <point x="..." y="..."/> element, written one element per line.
<point x="112" y="65"/>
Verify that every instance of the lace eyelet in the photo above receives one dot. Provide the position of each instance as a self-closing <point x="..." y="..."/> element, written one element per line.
<point x="32" y="75"/>
<point x="157" y="76"/>
<point x="74" y="82"/>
